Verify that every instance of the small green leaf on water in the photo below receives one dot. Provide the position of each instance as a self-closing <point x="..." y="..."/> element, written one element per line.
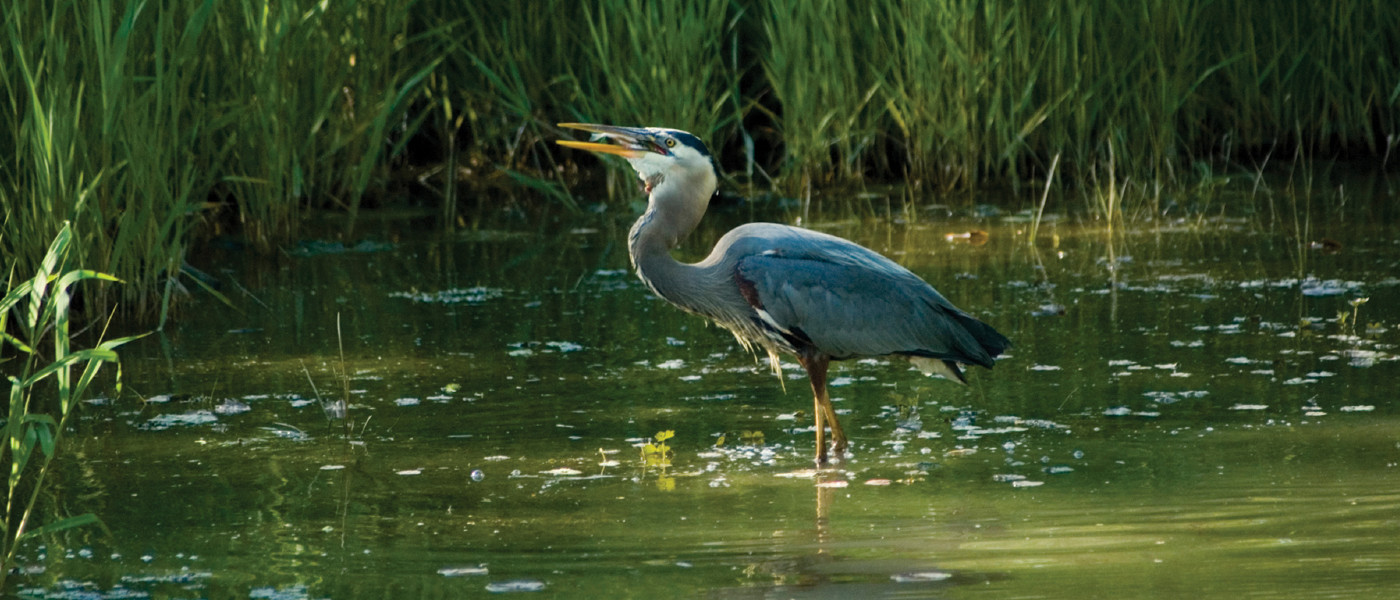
<point x="62" y="524"/>
<point x="665" y="435"/>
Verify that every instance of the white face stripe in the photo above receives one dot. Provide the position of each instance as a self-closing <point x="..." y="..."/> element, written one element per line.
<point x="651" y="167"/>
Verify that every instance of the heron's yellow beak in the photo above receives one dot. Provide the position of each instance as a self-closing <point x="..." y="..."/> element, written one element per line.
<point x="633" y="142"/>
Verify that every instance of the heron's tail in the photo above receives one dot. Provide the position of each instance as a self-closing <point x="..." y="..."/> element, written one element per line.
<point x="990" y="340"/>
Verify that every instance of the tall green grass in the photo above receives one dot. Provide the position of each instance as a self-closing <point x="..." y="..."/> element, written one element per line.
<point x="512" y="70"/>
<point x="151" y="125"/>
<point x="973" y="92"/>
<point x="147" y="124"/>
<point x="650" y="63"/>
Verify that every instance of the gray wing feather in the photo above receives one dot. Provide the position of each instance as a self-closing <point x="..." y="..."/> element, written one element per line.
<point x="850" y="301"/>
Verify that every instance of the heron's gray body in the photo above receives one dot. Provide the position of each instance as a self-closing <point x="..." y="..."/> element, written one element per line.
<point x="781" y="288"/>
<point x="794" y="290"/>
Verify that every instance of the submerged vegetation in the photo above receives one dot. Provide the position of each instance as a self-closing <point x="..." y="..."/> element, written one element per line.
<point x="150" y="125"/>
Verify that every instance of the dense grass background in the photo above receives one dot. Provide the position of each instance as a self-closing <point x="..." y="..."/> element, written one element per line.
<point x="151" y="124"/>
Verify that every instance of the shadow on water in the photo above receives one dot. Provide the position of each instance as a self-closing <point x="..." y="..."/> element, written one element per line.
<point x="1185" y="411"/>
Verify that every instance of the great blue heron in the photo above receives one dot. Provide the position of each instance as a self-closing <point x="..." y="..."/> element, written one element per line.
<point x="782" y="288"/>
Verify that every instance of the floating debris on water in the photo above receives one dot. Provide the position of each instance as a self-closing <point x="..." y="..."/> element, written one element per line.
<point x="1328" y="287"/>
<point x="564" y="346"/>
<point x="409" y="472"/>
<point x="232" y="407"/>
<point x="189" y="419"/>
<point x="1357" y="408"/>
<point x="1042" y="424"/>
<point x="515" y="585"/>
<point x="1186" y="344"/>
<point x="287" y="432"/>
<point x="407" y="402"/>
<point x="975" y="237"/>
<point x="1250" y="407"/>
<point x="1162" y="397"/>
<point x="921" y="577"/>
<point x="472" y="295"/>
<point x="463" y="571"/>
<point x="1326" y="245"/>
<point x="674" y="363"/>
<point x="1124" y="411"/>
<point x="1027" y="483"/>
<point x="562" y="472"/>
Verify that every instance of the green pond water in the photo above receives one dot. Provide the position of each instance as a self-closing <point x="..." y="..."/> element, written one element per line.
<point x="1183" y="414"/>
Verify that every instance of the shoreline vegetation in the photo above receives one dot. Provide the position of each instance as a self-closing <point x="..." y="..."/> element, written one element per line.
<point x="152" y="126"/>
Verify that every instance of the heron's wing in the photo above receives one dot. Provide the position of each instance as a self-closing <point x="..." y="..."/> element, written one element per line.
<point x="850" y="301"/>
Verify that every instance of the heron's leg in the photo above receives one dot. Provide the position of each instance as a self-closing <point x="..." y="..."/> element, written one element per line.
<point x="816" y="366"/>
<point x="821" y="427"/>
<point x="838" y="437"/>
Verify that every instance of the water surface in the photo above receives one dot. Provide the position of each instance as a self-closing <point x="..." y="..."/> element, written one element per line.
<point x="1185" y="412"/>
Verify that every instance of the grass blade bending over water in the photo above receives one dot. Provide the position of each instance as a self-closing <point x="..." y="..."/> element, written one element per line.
<point x="38" y="415"/>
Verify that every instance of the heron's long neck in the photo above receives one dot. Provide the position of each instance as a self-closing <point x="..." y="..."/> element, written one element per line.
<point x="659" y="229"/>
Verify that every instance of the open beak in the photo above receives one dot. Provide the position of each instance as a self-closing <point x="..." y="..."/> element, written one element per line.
<point x="632" y="142"/>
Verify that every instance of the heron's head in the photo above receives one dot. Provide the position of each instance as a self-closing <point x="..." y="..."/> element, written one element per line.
<point x="661" y="157"/>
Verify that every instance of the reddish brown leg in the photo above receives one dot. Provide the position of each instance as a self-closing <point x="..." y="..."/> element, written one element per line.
<point x="838" y="437"/>
<point x="825" y="415"/>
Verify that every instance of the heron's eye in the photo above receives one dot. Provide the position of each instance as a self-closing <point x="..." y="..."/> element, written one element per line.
<point x="670" y="143"/>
